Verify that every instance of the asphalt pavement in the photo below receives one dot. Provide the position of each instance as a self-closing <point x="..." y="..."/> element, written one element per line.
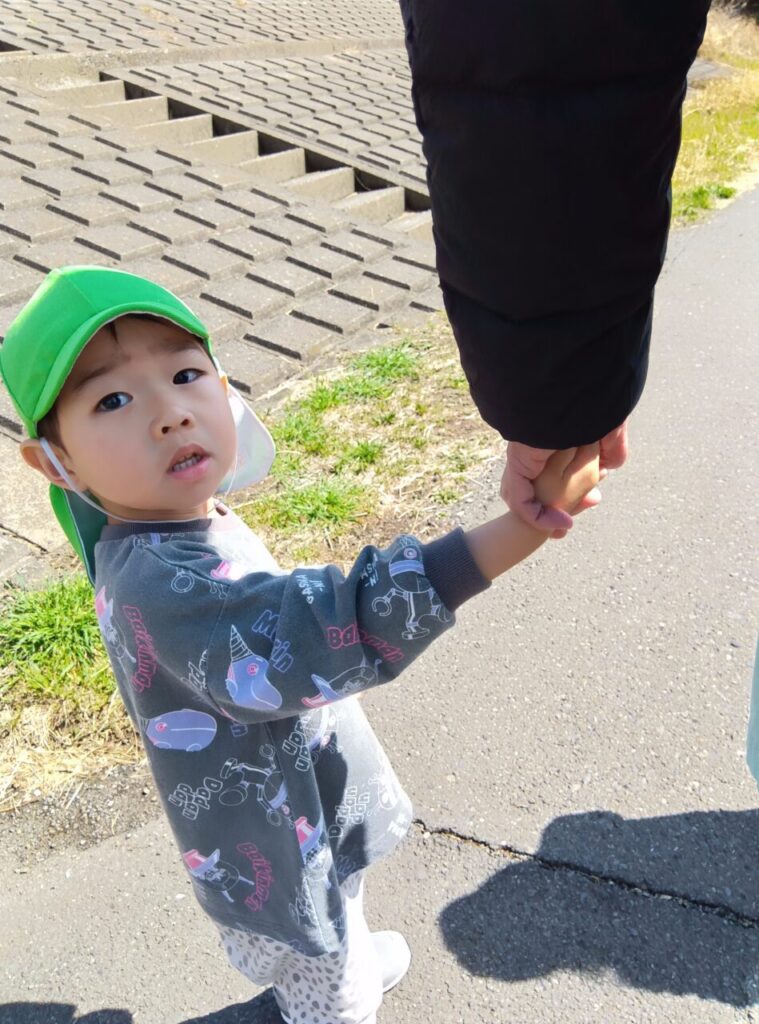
<point x="586" y="831"/>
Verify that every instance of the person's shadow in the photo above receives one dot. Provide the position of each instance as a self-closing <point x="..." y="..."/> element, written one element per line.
<point x="540" y="916"/>
<point x="261" y="1010"/>
<point x="58" y="1013"/>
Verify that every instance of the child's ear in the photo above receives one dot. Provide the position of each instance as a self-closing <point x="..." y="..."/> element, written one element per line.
<point x="34" y="455"/>
<point x="224" y="381"/>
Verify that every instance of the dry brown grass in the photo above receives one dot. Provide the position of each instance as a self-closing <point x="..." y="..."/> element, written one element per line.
<point x="719" y="155"/>
<point x="731" y="37"/>
<point x="51" y="747"/>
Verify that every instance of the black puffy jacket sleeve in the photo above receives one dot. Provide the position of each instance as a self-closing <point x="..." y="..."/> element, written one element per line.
<point x="551" y="131"/>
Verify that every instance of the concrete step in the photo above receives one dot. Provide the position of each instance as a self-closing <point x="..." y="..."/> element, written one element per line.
<point x="93" y="95"/>
<point x="136" y="112"/>
<point x="290" y="163"/>
<point x="230" y="149"/>
<point x="379" y="204"/>
<point x="177" y="131"/>
<point x="414" y="225"/>
<point x="336" y="183"/>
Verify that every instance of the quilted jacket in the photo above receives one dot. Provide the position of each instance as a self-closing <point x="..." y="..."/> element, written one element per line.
<point x="551" y="131"/>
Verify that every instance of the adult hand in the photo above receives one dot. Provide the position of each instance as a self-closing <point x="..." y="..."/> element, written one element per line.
<point x="614" y="448"/>
<point x="524" y="464"/>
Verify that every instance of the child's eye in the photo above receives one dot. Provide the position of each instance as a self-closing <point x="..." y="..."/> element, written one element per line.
<point x="187" y="376"/>
<point x="116" y="400"/>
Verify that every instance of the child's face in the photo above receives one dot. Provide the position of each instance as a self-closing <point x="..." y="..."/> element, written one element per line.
<point x="145" y="422"/>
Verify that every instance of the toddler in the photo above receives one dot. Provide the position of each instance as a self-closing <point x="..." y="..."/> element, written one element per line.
<point x="241" y="678"/>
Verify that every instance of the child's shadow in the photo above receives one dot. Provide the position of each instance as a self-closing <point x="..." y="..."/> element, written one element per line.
<point x="530" y="919"/>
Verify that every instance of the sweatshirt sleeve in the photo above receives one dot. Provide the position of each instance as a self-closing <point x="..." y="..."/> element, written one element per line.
<point x="285" y="644"/>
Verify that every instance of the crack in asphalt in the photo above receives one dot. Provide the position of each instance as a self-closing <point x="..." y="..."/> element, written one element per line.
<point x="511" y="853"/>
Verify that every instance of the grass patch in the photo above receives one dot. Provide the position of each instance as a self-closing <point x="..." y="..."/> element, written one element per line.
<point x="321" y="503"/>
<point x="691" y="202"/>
<point x="383" y="444"/>
<point x="720" y="140"/>
<point x="399" y="440"/>
<point x="50" y="639"/>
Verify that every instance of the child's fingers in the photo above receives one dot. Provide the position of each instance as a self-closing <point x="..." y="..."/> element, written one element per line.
<point x="584" y="456"/>
<point x="561" y="460"/>
<point x="583" y="472"/>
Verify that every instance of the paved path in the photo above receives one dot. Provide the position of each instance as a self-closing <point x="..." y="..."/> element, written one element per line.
<point x="586" y="835"/>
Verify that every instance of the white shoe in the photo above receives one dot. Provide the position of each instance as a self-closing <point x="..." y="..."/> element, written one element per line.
<point x="394" y="957"/>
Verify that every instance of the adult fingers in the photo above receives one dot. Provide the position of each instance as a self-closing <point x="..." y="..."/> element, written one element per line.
<point x="615" y="447"/>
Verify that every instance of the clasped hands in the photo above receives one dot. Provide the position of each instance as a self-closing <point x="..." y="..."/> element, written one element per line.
<point x="546" y="488"/>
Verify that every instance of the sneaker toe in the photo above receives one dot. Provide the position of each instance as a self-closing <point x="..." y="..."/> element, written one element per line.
<point x="394" y="955"/>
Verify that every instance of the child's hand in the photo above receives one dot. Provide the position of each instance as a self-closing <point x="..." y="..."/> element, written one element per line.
<point x="570" y="479"/>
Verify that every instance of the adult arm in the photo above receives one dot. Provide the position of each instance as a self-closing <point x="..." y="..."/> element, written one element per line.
<point x="551" y="132"/>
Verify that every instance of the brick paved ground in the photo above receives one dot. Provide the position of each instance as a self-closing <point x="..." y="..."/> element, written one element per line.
<point x="356" y="104"/>
<point x="282" y="197"/>
<point x="78" y="25"/>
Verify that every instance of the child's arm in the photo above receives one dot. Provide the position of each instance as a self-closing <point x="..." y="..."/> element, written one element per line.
<point x="278" y="645"/>
<point x="500" y="544"/>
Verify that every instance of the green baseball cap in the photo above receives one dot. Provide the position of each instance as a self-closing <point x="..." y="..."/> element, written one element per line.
<point x="44" y="342"/>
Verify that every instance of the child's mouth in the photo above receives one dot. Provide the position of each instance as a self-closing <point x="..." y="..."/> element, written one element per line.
<point x="191" y="464"/>
<point x="191" y="460"/>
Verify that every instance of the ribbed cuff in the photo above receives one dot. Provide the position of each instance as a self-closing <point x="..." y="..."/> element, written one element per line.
<point x="450" y="568"/>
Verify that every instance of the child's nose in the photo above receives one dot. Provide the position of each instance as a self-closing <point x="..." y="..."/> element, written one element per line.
<point x="171" y="418"/>
<point x="178" y="422"/>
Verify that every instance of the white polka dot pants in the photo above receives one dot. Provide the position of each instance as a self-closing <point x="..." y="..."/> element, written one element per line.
<point x="344" y="987"/>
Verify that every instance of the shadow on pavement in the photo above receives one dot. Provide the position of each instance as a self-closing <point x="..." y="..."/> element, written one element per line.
<point x="261" y="1010"/>
<point x="58" y="1013"/>
<point x="532" y="919"/>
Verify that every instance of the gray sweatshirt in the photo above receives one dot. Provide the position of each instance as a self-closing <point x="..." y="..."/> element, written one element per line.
<point x="239" y="679"/>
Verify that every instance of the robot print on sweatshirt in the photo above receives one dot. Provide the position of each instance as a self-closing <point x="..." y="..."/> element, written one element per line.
<point x="236" y="782"/>
<point x="247" y="683"/>
<point x="315" y="849"/>
<point x="185" y="581"/>
<point x="266" y="782"/>
<point x="352" y="680"/>
<point x="185" y="730"/>
<point x="412" y="587"/>
<point x="225" y="878"/>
